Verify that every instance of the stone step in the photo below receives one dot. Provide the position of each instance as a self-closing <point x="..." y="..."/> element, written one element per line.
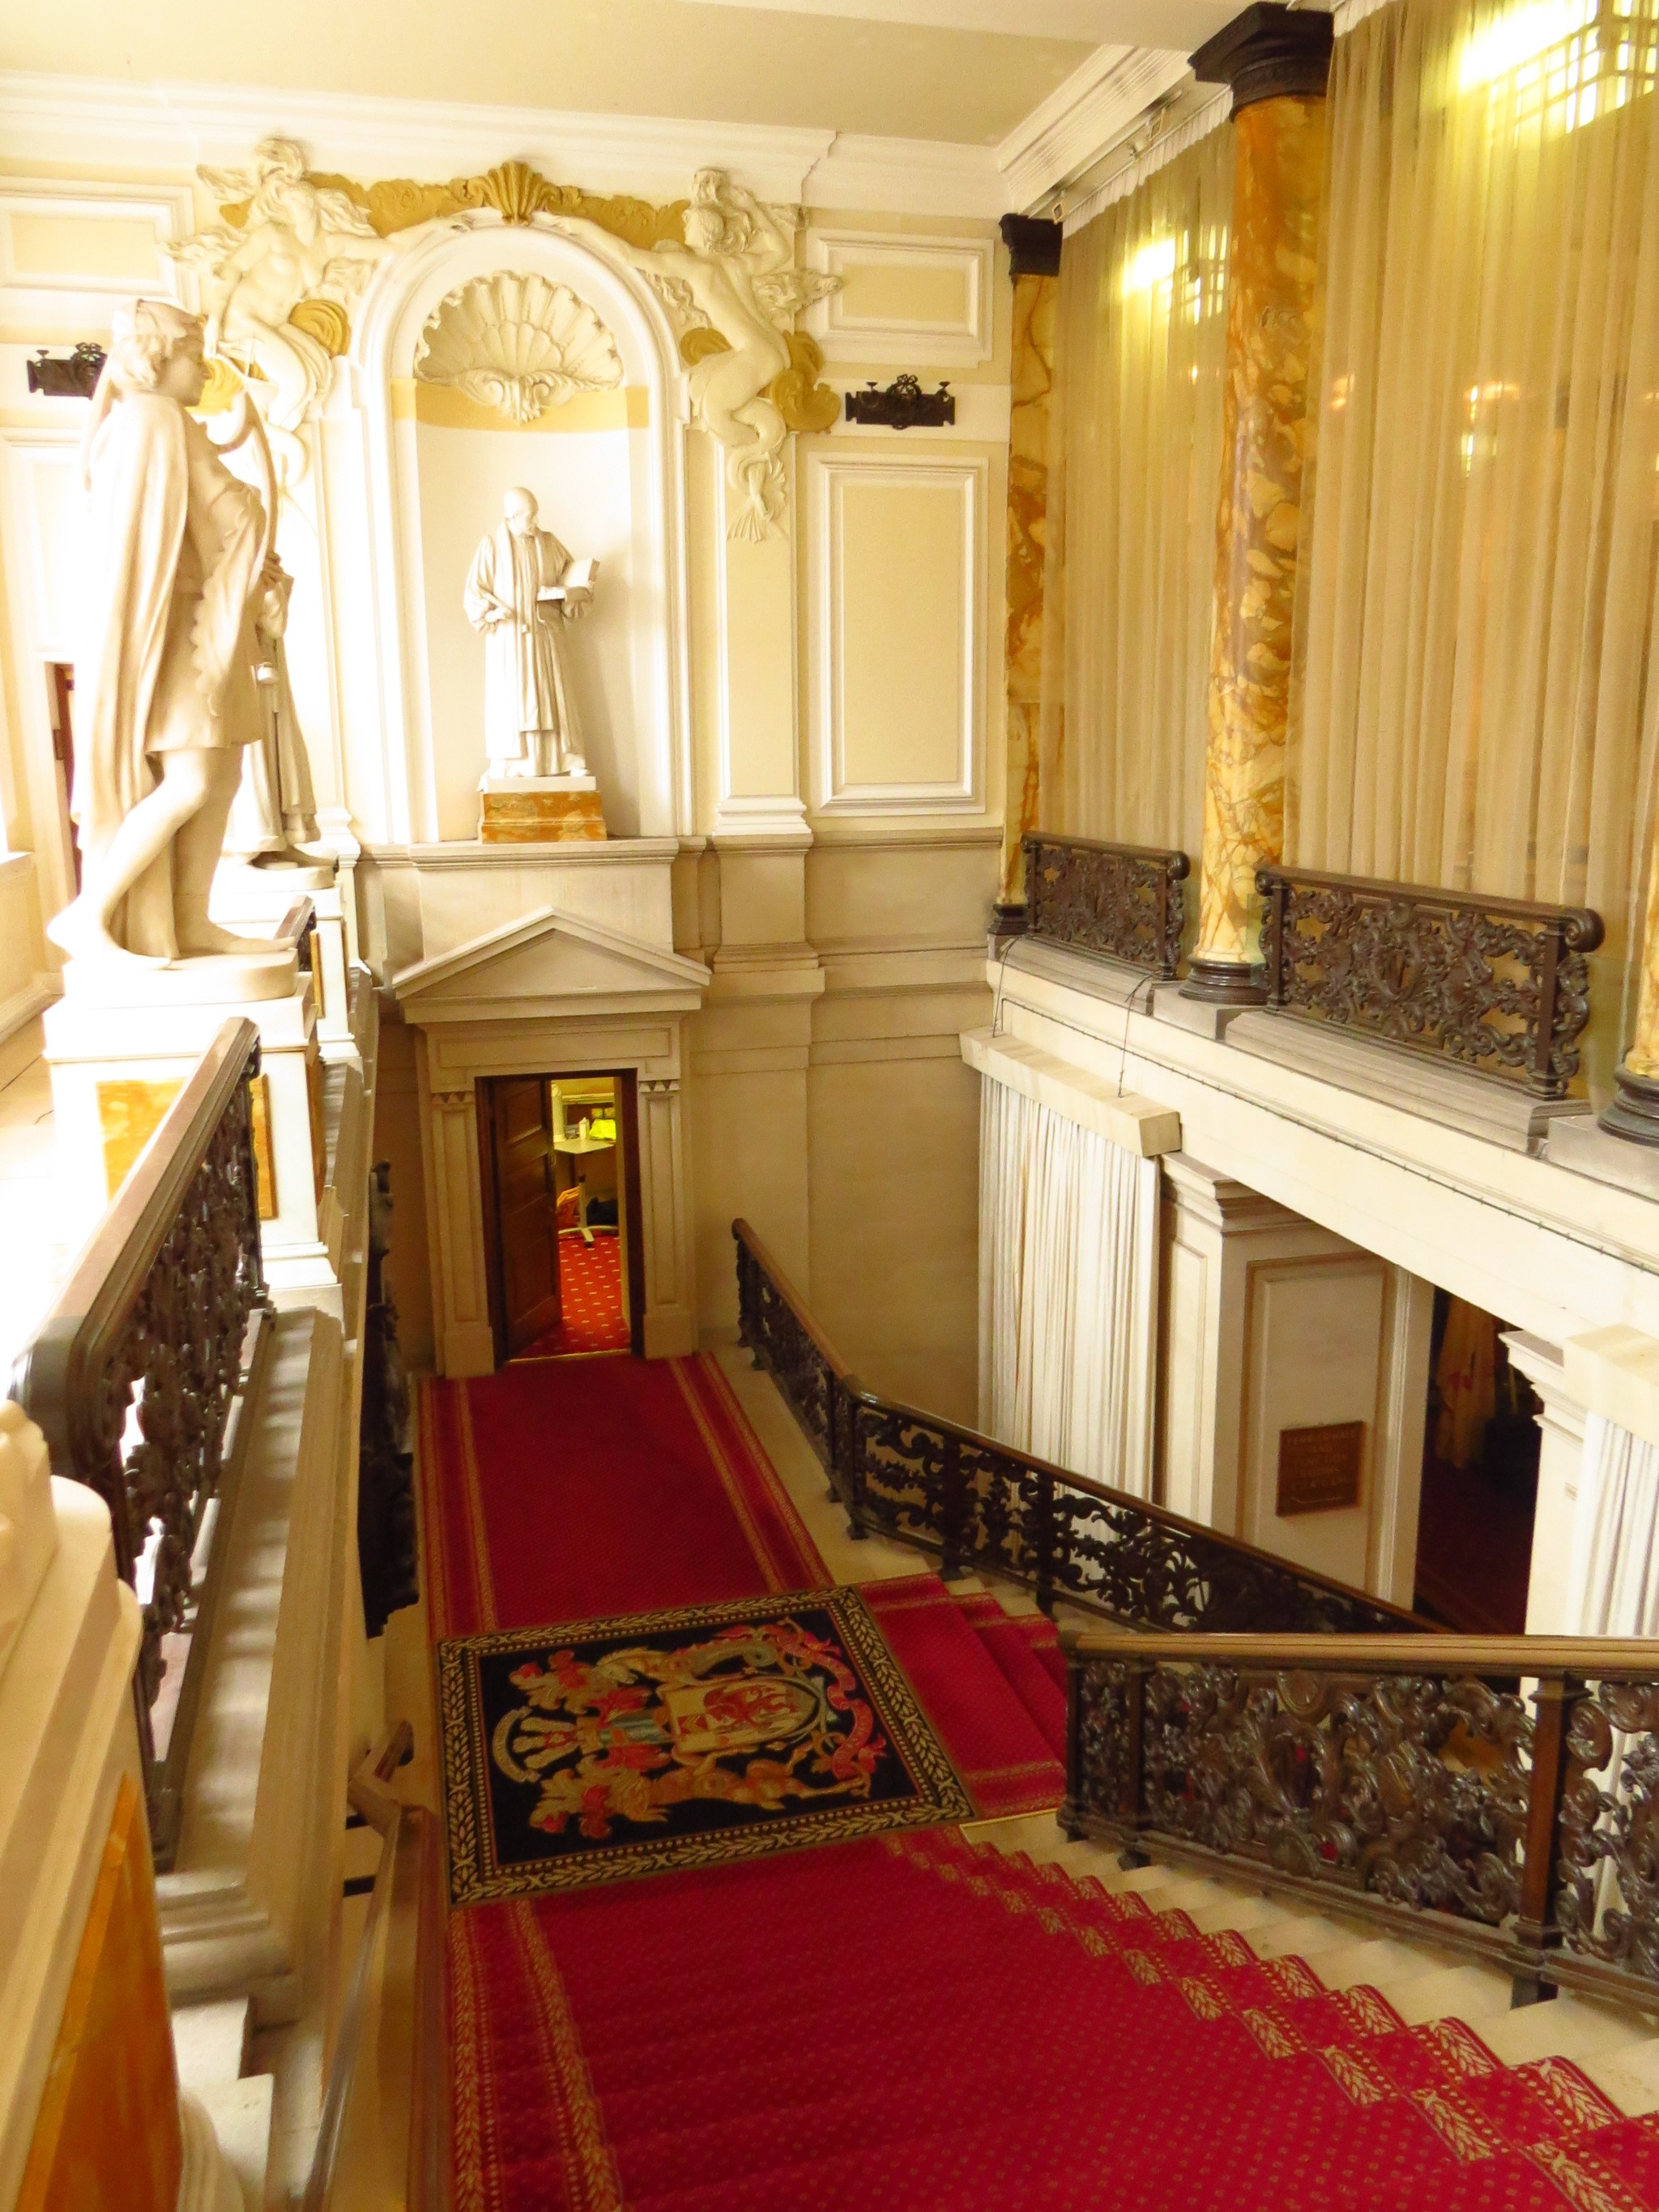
<point x="1474" y="1993"/>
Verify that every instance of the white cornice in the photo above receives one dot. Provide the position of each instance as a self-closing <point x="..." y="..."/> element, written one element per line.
<point x="1083" y="120"/>
<point x="81" y="121"/>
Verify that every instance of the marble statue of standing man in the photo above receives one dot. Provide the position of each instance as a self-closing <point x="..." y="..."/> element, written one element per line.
<point x="179" y="550"/>
<point x="522" y="587"/>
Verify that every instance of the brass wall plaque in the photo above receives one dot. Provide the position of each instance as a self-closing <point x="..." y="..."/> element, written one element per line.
<point x="1319" y="1467"/>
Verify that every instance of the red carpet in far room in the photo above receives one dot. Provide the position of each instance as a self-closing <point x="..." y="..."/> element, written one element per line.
<point x="936" y="2027"/>
<point x="560" y="1490"/>
<point x="590" y="1295"/>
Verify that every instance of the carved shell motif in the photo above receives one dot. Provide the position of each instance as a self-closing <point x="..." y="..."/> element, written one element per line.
<point x="518" y="345"/>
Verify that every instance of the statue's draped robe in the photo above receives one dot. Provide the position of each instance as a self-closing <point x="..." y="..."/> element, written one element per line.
<point x="166" y="656"/>
<point x="525" y="690"/>
<point x="276" y="806"/>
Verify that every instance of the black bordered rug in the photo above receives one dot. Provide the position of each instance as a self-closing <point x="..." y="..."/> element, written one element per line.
<point x="598" y="1749"/>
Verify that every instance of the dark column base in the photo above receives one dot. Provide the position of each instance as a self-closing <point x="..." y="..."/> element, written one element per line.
<point x="1633" y="1111"/>
<point x="1225" y="983"/>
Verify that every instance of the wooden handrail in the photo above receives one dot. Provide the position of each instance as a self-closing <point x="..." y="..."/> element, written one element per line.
<point x="1610" y="1659"/>
<point x="859" y="1434"/>
<point x="388" y="2140"/>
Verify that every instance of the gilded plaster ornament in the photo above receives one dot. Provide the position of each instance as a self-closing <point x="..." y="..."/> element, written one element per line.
<point x="288" y="249"/>
<point x="737" y="264"/>
<point x="519" y="344"/>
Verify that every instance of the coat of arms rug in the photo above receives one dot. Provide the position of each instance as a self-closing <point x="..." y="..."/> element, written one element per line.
<point x="598" y="1749"/>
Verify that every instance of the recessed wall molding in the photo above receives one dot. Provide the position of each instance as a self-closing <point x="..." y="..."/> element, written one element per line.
<point x="68" y="251"/>
<point x="903" y="298"/>
<point x="897" y="621"/>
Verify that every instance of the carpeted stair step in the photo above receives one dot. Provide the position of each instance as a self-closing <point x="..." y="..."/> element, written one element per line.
<point x="1009" y="1642"/>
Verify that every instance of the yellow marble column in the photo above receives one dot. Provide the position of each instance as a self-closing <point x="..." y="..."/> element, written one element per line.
<point x="1034" y="265"/>
<point x="1633" y="1109"/>
<point x="1276" y="62"/>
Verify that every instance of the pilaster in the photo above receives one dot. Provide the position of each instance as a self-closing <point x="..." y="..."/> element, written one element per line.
<point x="1561" y="1417"/>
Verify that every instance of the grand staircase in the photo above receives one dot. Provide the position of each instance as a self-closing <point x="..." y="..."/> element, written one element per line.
<point x="942" y="2024"/>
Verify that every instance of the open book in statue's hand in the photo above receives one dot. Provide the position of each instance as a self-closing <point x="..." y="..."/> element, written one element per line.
<point x="576" y="583"/>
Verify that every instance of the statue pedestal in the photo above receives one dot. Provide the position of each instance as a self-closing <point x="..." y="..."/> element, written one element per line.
<point x="540" y="810"/>
<point x="120" y="1049"/>
<point x="249" y="898"/>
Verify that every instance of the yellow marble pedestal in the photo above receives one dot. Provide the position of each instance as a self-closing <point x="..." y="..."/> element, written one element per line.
<point x="537" y="811"/>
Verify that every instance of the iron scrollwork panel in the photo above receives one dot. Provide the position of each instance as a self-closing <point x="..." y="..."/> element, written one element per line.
<point x="1141" y="1569"/>
<point x="771" y="1330"/>
<point x="900" y="1474"/>
<point x="1606" y="1898"/>
<point x="1409" y="1788"/>
<point x="171" y="1375"/>
<point x="1506" y="995"/>
<point x="1119" y="900"/>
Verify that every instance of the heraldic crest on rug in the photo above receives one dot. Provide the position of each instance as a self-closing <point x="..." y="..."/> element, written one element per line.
<point x="596" y="1749"/>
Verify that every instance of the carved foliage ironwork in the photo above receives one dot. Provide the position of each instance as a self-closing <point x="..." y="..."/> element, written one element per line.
<point x="1124" y="901"/>
<point x="1607" y="1900"/>
<point x="1105" y="1783"/>
<point x="149" y="1424"/>
<point x="1411" y="1788"/>
<point x="768" y="1325"/>
<point x="902" y="405"/>
<point x="1501" y="988"/>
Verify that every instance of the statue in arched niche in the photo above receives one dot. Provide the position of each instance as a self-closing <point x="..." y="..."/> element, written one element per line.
<point x="297" y="241"/>
<point x="735" y="275"/>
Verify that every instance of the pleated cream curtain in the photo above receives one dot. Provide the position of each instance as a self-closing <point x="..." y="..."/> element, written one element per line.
<point x="1068" y="1291"/>
<point x="1613" y="1576"/>
<point x="1133" y="507"/>
<point x="1472" y="704"/>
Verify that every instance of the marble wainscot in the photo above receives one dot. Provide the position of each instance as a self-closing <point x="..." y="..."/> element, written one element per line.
<point x="540" y="810"/>
<point x="122" y="1040"/>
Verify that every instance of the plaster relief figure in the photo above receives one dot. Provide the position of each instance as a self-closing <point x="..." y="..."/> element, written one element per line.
<point x="179" y="550"/>
<point x="275" y="809"/>
<point x="299" y="241"/>
<point x="735" y="275"/>
<point x="522" y="587"/>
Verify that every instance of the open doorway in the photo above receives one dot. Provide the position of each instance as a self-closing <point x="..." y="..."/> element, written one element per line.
<point x="1479" y="1495"/>
<point x="563" y="1242"/>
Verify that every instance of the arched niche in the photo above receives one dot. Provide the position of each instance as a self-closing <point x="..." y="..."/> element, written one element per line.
<point x="608" y="470"/>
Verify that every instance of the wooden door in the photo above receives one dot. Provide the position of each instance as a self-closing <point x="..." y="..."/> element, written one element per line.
<point x="528" y="1233"/>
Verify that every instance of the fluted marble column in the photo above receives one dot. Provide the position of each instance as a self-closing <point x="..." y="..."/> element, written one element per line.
<point x="1277" y="63"/>
<point x="1034" y="267"/>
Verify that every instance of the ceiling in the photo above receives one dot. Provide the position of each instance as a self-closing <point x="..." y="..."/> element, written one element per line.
<point x="857" y="67"/>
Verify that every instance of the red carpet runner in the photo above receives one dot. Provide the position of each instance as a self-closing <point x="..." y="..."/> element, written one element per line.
<point x="935" y="2028"/>
<point x="590" y="1296"/>
<point x="614" y="1485"/>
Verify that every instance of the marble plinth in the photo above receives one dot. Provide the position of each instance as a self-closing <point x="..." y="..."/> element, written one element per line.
<point x="218" y="979"/>
<point x="116" y="1069"/>
<point x="540" y="810"/>
<point x="255" y="899"/>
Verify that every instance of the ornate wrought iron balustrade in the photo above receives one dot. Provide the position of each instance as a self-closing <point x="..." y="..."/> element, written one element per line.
<point x="1508" y="1788"/>
<point x="926" y="1481"/>
<point x="1498" y="986"/>
<point x="1124" y="901"/>
<point x="135" y="1373"/>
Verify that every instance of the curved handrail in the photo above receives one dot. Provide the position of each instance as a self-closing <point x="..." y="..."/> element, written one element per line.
<point x="860" y="1433"/>
<point x="395" y="2126"/>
